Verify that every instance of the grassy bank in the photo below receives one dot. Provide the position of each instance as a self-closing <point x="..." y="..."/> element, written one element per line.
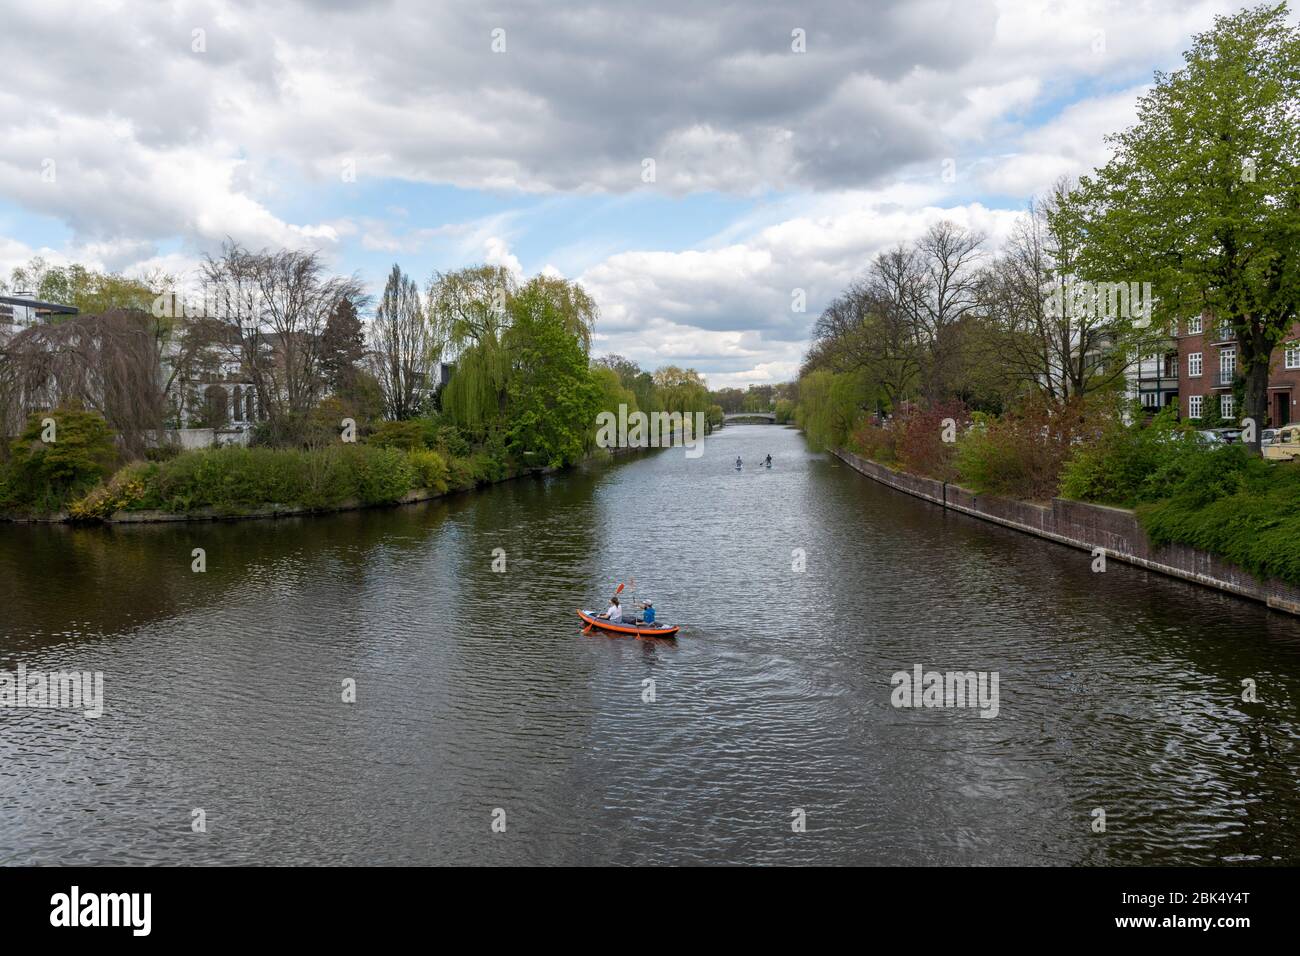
<point x="235" y="481"/>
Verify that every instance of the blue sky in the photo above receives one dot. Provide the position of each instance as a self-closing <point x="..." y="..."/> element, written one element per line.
<point x="790" y="142"/>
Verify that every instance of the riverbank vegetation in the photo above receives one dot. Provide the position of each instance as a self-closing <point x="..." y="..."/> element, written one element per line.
<point x="1008" y="369"/>
<point x="481" y="377"/>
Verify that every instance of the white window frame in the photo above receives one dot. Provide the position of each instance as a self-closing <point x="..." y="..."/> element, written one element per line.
<point x="1195" y="361"/>
<point x="1194" y="403"/>
<point x="1194" y="326"/>
<point x="1226" y="406"/>
<point x="1292" y="359"/>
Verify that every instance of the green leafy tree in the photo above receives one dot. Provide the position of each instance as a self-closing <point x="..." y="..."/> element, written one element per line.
<point x="552" y="398"/>
<point x="1202" y="196"/>
<point x="50" y="464"/>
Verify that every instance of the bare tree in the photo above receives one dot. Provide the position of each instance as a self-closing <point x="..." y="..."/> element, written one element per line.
<point x="1059" y="349"/>
<point x="109" y="363"/>
<point x="278" y="303"/>
<point x="405" y="350"/>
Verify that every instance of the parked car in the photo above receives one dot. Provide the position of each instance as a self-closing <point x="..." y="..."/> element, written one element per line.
<point x="1209" y="436"/>
<point x="1285" y="445"/>
<point x="1268" y="436"/>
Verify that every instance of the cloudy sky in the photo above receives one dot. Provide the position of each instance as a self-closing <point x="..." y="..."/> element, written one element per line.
<point x="437" y="135"/>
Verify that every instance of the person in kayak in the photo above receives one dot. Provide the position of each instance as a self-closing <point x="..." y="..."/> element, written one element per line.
<point x="647" y="612"/>
<point x="615" y="613"/>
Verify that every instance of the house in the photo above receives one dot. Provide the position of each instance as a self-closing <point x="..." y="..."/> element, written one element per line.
<point x="1153" y="379"/>
<point x="1207" y="358"/>
<point x="20" y="310"/>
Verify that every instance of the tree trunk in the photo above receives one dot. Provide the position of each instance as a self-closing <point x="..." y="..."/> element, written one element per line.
<point x="1255" y="356"/>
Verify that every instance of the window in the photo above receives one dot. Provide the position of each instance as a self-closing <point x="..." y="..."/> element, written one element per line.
<point x="1225" y="333"/>
<point x="1194" y="326"/>
<point x="1293" y="356"/>
<point x="1226" y="406"/>
<point x="1194" y="406"/>
<point x="1227" y="366"/>
<point x="1194" y="363"/>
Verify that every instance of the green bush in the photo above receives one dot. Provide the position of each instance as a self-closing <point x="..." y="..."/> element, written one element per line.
<point x="1133" y="463"/>
<point x="238" y="480"/>
<point x="446" y="438"/>
<point x="460" y="476"/>
<point x="1022" y="453"/>
<point x="1236" y="505"/>
<point x="486" y="468"/>
<point x="44" y="476"/>
<point x="430" y="470"/>
<point x="407" y="435"/>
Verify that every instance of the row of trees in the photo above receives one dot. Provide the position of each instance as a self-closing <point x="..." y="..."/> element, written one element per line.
<point x="290" y="332"/>
<point x="1201" y="200"/>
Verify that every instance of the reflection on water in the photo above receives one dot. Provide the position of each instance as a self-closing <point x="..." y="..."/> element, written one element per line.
<point x="476" y="690"/>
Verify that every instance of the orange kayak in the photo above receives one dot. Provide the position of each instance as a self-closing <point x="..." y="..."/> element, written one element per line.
<point x="638" y="630"/>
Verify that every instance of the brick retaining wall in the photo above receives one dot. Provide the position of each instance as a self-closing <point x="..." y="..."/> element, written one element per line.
<point x="1087" y="526"/>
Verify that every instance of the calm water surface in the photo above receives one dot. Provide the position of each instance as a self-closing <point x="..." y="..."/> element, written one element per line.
<point x="476" y="690"/>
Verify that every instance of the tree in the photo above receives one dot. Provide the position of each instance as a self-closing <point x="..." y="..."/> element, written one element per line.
<point x="468" y="310"/>
<point x="109" y="363"/>
<point x="50" y="466"/>
<point x="1064" y="350"/>
<point x="343" y="346"/>
<point x="276" y="305"/>
<point x="406" y="351"/>
<point x="88" y="289"/>
<point x="1202" y="195"/>
<point x="553" y="399"/>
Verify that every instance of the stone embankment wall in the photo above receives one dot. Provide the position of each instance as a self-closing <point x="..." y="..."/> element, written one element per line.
<point x="1087" y="526"/>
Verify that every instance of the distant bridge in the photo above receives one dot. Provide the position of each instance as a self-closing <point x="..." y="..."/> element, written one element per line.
<point x="736" y="416"/>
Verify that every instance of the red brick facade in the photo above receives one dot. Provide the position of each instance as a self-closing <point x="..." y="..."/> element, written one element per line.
<point x="1217" y="371"/>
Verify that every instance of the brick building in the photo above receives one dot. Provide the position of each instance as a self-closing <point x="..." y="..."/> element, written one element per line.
<point x="1208" y="364"/>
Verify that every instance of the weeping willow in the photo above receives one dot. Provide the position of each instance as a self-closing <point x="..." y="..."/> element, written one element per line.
<point x="472" y="309"/>
<point x="475" y="396"/>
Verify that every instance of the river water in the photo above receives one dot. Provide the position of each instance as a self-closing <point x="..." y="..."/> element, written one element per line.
<point x="479" y="700"/>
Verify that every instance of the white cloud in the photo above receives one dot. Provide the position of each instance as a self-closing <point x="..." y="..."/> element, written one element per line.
<point x="728" y="310"/>
<point x="1071" y="144"/>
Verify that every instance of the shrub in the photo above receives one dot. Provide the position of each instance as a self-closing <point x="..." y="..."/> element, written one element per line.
<point x="460" y="475"/>
<point x="875" y="441"/>
<point x="131" y="489"/>
<point x="1234" y="504"/>
<point x="920" y="446"/>
<point x="1022" y="454"/>
<point x="447" y="439"/>
<point x="45" y="475"/>
<point x="406" y="435"/>
<point x="430" y="470"/>
<point x="1132" y="463"/>
<point x="384" y="474"/>
<point x="486" y="468"/>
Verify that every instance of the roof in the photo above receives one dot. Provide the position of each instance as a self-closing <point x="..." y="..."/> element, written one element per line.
<point x="38" y="305"/>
